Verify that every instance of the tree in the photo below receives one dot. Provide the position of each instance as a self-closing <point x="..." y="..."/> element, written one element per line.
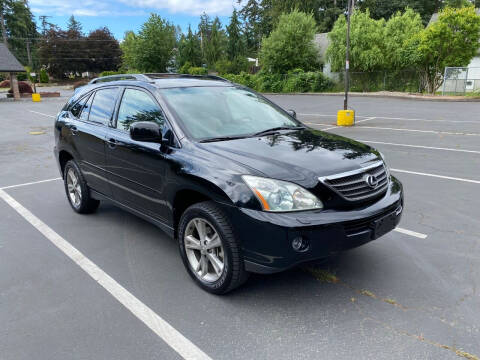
<point x="74" y="27"/>
<point x="381" y="9"/>
<point x="55" y="52"/>
<point x="17" y="26"/>
<point x="215" y="45"/>
<point x="329" y="11"/>
<point x="235" y="43"/>
<point x="103" y="51"/>
<point x="367" y="43"/>
<point x="452" y="40"/>
<point x="189" y="49"/>
<point x="290" y="44"/>
<point x="399" y="30"/>
<point x="155" y="44"/>
<point x="257" y="23"/>
<point x="129" y="52"/>
<point x="276" y="8"/>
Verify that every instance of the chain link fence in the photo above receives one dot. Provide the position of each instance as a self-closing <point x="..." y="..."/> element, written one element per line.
<point x="403" y="81"/>
<point x="461" y="80"/>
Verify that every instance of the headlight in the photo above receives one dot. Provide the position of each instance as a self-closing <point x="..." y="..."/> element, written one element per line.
<point x="277" y="195"/>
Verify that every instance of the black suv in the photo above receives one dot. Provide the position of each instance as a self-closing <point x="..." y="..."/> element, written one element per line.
<point x="242" y="184"/>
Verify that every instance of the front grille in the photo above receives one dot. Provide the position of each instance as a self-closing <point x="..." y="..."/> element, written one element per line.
<point x="353" y="185"/>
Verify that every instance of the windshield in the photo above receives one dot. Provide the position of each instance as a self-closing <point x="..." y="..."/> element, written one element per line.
<point x="216" y="112"/>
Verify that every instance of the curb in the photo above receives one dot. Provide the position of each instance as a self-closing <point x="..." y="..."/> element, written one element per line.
<point x="393" y="96"/>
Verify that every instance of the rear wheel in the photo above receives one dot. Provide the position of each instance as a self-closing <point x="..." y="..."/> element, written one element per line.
<point x="209" y="250"/>
<point x="78" y="193"/>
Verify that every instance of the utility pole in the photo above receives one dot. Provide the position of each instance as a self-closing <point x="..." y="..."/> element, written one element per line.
<point x="347" y="57"/>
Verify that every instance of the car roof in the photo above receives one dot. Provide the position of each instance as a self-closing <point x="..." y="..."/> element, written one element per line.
<point x="162" y="80"/>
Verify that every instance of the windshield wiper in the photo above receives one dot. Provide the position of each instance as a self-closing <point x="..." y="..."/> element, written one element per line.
<point x="222" y="138"/>
<point x="275" y="129"/>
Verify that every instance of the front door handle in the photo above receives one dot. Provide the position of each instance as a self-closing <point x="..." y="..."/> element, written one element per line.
<point x="112" y="143"/>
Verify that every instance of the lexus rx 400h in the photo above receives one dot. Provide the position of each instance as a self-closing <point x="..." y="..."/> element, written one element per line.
<point x="241" y="184"/>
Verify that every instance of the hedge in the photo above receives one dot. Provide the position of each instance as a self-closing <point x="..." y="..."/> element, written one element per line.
<point x="296" y="81"/>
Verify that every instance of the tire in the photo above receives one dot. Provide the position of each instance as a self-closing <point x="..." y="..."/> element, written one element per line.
<point x="233" y="273"/>
<point x="82" y="203"/>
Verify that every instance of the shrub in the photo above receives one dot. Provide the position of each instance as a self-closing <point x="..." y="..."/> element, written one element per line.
<point x="109" y="73"/>
<point x="44" y="76"/>
<point x="22" y="76"/>
<point x="225" y="66"/>
<point x="23" y="87"/>
<point x="295" y="81"/>
<point x="184" y="68"/>
<point x="5" y="83"/>
<point x="197" y="71"/>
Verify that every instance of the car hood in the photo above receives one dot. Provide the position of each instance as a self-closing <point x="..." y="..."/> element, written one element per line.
<point x="297" y="156"/>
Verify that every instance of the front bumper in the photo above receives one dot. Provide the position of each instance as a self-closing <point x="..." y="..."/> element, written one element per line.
<point x="266" y="238"/>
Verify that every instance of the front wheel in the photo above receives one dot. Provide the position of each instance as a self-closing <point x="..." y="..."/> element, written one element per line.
<point x="78" y="193"/>
<point x="209" y="250"/>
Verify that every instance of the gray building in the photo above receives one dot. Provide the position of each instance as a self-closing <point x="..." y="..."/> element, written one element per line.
<point x="10" y="64"/>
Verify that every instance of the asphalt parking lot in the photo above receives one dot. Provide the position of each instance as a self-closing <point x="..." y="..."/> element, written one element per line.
<point x="411" y="294"/>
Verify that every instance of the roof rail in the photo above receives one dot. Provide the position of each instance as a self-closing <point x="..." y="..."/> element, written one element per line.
<point x="138" y="77"/>
<point x="176" y="75"/>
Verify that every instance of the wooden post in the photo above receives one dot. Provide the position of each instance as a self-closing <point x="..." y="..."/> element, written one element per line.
<point x="14" y="85"/>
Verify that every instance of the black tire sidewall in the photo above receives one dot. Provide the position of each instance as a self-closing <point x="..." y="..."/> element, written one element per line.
<point x="223" y="283"/>
<point x="83" y="185"/>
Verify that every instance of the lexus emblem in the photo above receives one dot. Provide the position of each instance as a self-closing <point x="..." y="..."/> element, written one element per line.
<point x="371" y="181"/>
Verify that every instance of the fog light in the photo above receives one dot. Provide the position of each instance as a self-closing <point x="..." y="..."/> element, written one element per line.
<point x="300" y="244"/>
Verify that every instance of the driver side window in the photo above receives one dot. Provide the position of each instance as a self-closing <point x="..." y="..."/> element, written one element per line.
<point x="136" y="106"/>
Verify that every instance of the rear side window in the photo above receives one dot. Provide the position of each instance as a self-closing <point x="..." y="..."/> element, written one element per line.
<point x="103" y="105"/>
<point x="86" y="109"/>
<point x="77" y="108"/>
<point x="137" y="105"/>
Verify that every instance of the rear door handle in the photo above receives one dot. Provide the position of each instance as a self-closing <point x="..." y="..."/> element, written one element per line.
<point x="73" y="129"/>
<point x="112" y="143"/>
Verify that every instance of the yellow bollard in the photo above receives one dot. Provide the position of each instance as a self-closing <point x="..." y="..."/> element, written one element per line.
<point x="345" y="117"/>
<point x="36" y="97"/>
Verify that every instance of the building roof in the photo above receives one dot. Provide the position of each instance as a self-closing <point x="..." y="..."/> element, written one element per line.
<point x="8" y="62"/>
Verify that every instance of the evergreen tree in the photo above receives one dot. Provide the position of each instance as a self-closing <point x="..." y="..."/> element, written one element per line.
<point x="235" y="45"/>
<point x="74" y="27"/>
<point x="214" y="47"/>
<point x="18" y="27"/>
<point x="189" y="49"/>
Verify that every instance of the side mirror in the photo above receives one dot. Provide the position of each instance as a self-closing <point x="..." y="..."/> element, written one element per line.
<point x="292" y="113"/>
<point x="146" y="131"/>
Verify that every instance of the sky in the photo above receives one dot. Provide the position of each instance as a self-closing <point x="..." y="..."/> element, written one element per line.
<point x="123" y="15"/>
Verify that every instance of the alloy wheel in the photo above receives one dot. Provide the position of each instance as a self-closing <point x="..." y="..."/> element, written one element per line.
<point x="204" y="250"/>
<point x="74" y="189"/>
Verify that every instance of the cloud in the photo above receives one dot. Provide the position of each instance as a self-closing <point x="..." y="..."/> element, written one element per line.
<point x="130" y="7"/>
<point x="191" y="7"/>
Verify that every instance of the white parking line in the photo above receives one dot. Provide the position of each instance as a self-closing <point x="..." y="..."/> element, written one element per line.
<point x="367" y="119"/>
<point x="420" y="146"/>
<point x="335" y="126"/>
<point x="36" y="112"/>
<point x="411" y="233"/>
<point x="397" y="118"/>
<point x="159" y="326"/>
<point x="437" y="176"/>
<point x="29" y="183"/>
<point x="394" y="129"/>
<point x="421" y="131"/>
